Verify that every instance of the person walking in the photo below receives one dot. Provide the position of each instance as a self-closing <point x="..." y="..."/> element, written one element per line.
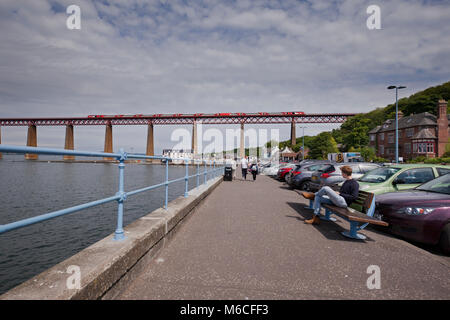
<point x="254" y="170"/>
<point x="233" y="167"/>
<point x="244" y="167"/>
<point x="344" y="198"/>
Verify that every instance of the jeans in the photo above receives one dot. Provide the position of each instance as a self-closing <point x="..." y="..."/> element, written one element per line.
<point x="327" y="195"/>
<point x="244" y="173"/>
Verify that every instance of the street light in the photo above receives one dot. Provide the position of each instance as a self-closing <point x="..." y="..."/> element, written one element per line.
<point x="396" y="118"/>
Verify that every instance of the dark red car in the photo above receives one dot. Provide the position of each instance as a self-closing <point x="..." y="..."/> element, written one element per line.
<point x="421" y="214"/>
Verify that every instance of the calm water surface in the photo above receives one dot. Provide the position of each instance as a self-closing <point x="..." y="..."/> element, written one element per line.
<point x="30" y="188"/>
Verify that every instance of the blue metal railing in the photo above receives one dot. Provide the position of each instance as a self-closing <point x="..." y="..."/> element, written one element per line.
<point x="121" y="196"/>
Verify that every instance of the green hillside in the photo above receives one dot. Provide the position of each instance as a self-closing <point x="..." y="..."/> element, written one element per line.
<point x="353" y="134"/>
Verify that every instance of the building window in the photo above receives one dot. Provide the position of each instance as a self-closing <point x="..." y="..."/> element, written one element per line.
<point x="372" y="137"/>
<point x="382" y="136"/>
<point x="409" y="132"/>
<point x="390" y="138"/>
<point x="382" y="150"/>
<point x="407" y="148"/>
<point x="423" y="147"/>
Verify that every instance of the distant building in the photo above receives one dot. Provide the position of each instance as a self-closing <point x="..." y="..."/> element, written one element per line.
<point x="422" y="134"/>
<point x="176" y="154"/>
<point x="287" y="155"/>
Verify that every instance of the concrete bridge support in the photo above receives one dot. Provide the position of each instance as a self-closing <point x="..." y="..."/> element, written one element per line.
<point x="194" y="139"/>
<point x="108" y="141"/>
<point x="31" y="142"/>
<point x="293" y="134"/>
<point x="150" y="142"/>
<point x="69" y="145"/>
<point x="242" y="147"/>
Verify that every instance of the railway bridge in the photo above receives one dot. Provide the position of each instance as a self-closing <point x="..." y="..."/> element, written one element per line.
<point x="150" y="121"/>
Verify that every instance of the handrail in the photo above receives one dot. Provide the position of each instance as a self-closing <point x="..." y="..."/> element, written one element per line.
<point x="121" y="196"/>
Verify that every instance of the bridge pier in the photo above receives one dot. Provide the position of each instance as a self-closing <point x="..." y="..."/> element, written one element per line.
<point x="293" y="134"/>
<point x="150" y="142"/>
<point x="108" y="141"/>
<point x="1" y="141"/>
<point x="31" y="142"/>
<point x="69" y="145"/>
<point x="194" y="139"/>
<point x="242" y="147"/>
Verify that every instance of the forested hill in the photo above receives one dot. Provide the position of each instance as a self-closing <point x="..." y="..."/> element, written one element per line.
<point x="353" y="134"/>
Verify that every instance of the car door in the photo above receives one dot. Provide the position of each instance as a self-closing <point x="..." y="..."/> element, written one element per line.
<point x="412" y="178"/>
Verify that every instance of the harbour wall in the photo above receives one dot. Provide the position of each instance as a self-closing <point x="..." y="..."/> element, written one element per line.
<point x="100" y="270"/>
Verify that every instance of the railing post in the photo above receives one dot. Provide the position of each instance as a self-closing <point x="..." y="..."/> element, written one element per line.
<point x="198" y="174"/>
<point x="186" y="180"/>
<point x="119" y="234"/>
<point x="206" y="171"/>
<point x="167" y="184"/>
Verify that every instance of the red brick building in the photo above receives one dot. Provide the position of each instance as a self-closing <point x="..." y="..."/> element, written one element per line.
<point x="422" y="134"/>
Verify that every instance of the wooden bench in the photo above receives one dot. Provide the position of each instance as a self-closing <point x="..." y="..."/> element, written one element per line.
<point x="359" y="214"/>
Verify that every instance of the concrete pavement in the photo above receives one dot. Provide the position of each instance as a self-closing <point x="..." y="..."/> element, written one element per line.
<point x="247" y="240"/>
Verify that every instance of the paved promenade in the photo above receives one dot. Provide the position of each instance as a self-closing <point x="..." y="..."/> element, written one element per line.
<point x="247" y="240"/>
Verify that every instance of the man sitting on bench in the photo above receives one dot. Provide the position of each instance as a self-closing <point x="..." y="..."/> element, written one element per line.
<point x="346" y="195"/>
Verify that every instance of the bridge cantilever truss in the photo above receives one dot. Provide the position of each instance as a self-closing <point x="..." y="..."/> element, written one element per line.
<point x="180" y="120"/>
<point x="241" y="119"/>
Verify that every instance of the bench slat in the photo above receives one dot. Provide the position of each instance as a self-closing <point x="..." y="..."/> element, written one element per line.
<point x="355" y="216"/>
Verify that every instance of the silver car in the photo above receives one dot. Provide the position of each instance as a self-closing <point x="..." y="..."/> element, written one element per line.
<point x="332" y="175"/>
<point x="300" y="177"/>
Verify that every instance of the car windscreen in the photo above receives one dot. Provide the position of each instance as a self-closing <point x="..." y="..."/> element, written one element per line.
<point x="379" y="175"/>
<point x="439" y="185"/>
<point x="314" y="167"/>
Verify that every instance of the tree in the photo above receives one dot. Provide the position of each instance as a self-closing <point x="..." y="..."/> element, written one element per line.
<point x="368" y="153"/>
<point x="323" y="144"/>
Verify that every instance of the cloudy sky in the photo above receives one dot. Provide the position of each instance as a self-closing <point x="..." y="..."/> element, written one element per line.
<point x="180" y="56"/>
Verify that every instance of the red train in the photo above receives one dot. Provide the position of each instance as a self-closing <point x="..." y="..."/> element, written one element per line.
<point x="196" y="115"/>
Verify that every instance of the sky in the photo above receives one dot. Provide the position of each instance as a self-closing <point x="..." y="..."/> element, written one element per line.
<point x="209" y="56"/>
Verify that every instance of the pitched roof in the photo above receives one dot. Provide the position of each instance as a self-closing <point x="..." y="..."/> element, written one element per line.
<point x="375" y="130"/>
<point x="424" y="134"/>
<point x="287" y="150"/>
<point x="420" y="119"/>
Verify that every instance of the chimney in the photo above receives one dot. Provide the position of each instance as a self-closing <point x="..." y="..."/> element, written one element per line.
<point x="442" y="109"/>
<point x="442" y="127"/>
<point x="400" y="114"/>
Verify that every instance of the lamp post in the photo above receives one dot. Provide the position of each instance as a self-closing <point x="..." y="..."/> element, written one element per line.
<point x="396" y="118"/>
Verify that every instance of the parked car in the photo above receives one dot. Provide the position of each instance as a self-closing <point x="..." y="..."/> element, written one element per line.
<point x="285" y="169"/>
<point x="421" y="214"/>
<point x="400" y="177"/>
<point x="332" y="175"/>
<point x="271" y="169"/>
<point x="300" y="176"/>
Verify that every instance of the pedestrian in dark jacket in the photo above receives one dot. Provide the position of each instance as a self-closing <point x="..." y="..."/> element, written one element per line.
<point x="254" y="170"/>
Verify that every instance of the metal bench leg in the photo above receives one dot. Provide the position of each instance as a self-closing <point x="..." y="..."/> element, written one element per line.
<point x="352" y="233"/>
<point x="311" y="202"/>
<point x="327" y="216"/>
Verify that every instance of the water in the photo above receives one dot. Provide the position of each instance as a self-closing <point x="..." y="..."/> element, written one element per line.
<point x="30" y="188"/>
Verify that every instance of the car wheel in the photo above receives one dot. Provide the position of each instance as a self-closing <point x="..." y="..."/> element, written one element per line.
<point x="444" y="241"/>
<point x="305" y="186"/>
